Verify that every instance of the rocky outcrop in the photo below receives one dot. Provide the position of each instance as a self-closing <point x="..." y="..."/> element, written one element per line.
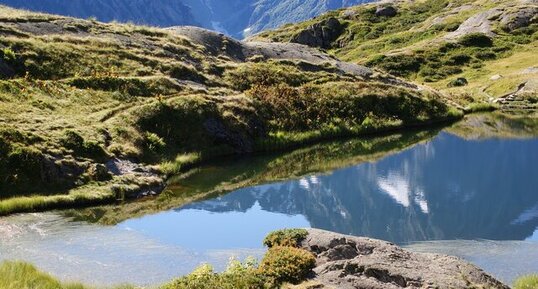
<point x="386" y="11"/>
<point x="355" y="262"/>
<point x="478" y="23"/>
<point x="519" y="18"/>
<point x="320" y="34"/>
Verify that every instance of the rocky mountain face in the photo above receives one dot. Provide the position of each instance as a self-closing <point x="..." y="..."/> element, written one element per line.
<point x="237" y="18"/>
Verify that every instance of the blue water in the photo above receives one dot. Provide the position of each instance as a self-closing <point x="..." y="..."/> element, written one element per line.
<point x="477" y="199"/>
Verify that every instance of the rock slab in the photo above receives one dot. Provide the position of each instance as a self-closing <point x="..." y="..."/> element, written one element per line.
<point x="354" y="262"/>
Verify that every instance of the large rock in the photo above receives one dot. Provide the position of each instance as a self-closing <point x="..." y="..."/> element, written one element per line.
<point x="354" y="262"/>
<point x="387" y="11"/>
<point x="320" y="34"/>
<point x="519" y="18"/>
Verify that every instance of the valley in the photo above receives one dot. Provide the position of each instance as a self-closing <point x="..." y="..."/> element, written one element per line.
<point x="136" y="136"/>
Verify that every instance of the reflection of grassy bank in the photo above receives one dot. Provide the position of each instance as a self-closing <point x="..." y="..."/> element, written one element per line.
<point x="227" y="175"/>
<point x="488" y="125"/>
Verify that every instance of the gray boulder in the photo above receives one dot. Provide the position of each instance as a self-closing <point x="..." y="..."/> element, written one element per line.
<point x="354" y="262"/>
<point x="520" y="18"/>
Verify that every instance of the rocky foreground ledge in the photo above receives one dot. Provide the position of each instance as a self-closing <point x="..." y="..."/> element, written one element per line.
<point x="354" y="262"/>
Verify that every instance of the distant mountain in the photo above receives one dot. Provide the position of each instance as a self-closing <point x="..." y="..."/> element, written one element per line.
<point x="237" y="18"/>
<point x="152" y="12"/>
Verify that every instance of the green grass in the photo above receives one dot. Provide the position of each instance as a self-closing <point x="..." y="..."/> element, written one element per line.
<point x="526" y="282"/>
<point x="19" y="275"/>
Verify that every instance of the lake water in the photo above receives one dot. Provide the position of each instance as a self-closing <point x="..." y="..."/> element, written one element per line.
<point x="445" y="192"/>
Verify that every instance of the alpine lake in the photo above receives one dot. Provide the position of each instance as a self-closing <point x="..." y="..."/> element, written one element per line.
<point x="469" y="190"/>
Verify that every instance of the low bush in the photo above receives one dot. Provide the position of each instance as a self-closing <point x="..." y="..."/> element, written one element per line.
<point x="476" y="40"/>
<point x="460" y="81"/>
<point x="287" y="264"/>
<point x="237" y="275"/>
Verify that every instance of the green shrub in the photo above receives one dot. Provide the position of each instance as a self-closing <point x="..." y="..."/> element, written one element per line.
<point x="237" y="275"/>
<point x="460" y="81"/>
<point x="459" y="59"/>
<point x="527" y="282"/>
<point x="287" y="264"/>
<point x="485" y="55"/>
<point x="476" y="40"/>
<point x="286" y="237"/>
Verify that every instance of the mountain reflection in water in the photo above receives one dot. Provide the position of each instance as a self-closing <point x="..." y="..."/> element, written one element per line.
<point x="445" y="189"/>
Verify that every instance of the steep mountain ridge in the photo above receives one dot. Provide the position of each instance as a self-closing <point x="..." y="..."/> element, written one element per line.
<point x="238" y="18"/>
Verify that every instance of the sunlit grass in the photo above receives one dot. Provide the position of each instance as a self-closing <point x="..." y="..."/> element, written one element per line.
<point x="527" y="282"/>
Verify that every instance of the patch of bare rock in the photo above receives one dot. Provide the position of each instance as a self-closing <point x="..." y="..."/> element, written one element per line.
<point x="355" y="262"/>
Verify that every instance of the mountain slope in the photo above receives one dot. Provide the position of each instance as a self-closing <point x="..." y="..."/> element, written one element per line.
<point x="94" y="113"/>
<point x="230" y="16"/>
<point x="474" y="50"/>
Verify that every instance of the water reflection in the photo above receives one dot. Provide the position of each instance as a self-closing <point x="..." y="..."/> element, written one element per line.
<point x="448" y="188"/>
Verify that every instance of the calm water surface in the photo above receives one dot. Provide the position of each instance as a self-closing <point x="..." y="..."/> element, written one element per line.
<point x="477" y="199"/>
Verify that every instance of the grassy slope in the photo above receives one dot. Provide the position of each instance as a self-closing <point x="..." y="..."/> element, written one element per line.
<point x="78" y="93"/>
<point x="413" y="44"/>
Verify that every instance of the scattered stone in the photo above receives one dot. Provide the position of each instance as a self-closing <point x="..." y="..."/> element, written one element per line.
<point x="530" y="70"/>
<point x="496" y="77"/>
<point x="353" y="262"/>
<point x="387" y="11"/>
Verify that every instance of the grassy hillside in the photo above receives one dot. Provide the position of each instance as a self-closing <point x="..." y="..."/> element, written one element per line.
<point x="95" y="113"/>
<point x="492" y="44"/>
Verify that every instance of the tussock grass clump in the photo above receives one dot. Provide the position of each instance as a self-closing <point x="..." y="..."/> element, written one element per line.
<point x="527" y="282"/>
<point x="286" y="237"/>
<point x="18" y="275"/>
